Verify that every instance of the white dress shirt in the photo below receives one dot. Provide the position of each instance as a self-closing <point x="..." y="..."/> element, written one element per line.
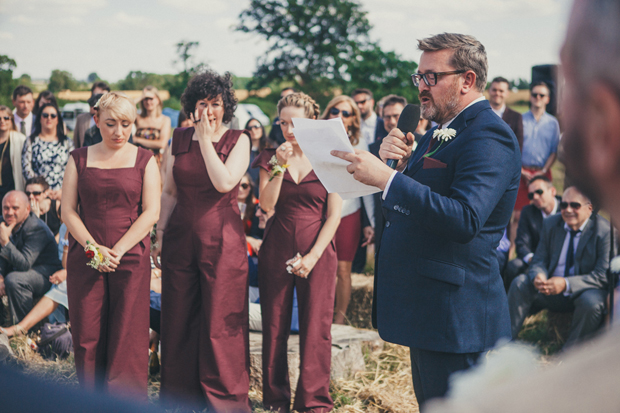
<point x="368" y="128"/>
<point x="559" y="270"/>
<point x="499" y="112"/>
<point x="27" y="123"/>
<point x="444" y="126"/>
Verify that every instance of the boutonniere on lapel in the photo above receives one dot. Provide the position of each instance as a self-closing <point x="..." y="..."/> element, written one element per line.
<point x="442" y="135"/>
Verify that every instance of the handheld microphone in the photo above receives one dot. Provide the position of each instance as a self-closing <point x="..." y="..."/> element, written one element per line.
<point x="407" y="122"/>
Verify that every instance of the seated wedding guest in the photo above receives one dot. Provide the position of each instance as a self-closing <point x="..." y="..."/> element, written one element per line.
<point x="259" y="142"/>
<point x="299" y="236"/>
<point x="85" y="121"/>
<point x="54" y="303"/>
<point x="350" y="228"/>
<point x="110" y="204"/>
<point x="544" y="204"/>
<point x="46" y="151"/>
<point x="28" y="257"/>
<point x="204" y="304"/>
<point x="152" y="127"/>
<point x="568" y="271"/>
<point x="11" y="145"/>
<point x="44" y="208"/>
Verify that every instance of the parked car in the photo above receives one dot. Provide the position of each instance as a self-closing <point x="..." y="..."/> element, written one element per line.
<point x="247" y="111"/>
<point x="70" y="112"/>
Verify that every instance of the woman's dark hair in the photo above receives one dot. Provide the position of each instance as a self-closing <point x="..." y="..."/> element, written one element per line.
<point x="47" y="95"/>
<point x="60" y="128"/>
<point x="262" y="143"/>
<point x="182" y="118"/>
<point x="209" y="85"/>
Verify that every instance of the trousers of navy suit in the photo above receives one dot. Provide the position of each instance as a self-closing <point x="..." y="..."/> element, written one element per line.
<point x="438" y="287"/>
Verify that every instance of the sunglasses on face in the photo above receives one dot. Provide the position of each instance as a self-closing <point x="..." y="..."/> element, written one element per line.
<point x="254" y="127"/>
<point x="336" y="112"/>
<point x="7" y="118"/>
<point x="573" y="205"/>
<point x="35" y="193"/>
<point x="539" y="192"/>
<point x="538" y="95"/>
<point x="49" y="115"/>
<point x="147" y="99"/>
<point x="244" y="186"/>
<point x="361" y="102"/>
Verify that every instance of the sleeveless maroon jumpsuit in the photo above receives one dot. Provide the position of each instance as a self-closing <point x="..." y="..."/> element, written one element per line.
<point x="204" y="307"/>
<point x="110" y="311"/>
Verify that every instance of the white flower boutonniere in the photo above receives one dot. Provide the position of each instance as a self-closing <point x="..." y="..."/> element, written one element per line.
<point x="442" y="135"/>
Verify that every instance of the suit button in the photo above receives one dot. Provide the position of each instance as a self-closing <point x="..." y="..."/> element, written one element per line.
<point x="395" y="207"/>
<point x="387" y="224"/>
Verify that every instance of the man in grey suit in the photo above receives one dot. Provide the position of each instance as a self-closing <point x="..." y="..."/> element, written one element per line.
<point x="28" y="255"/>
<point x="568" y="270"/>
<point x="85" y="121"/>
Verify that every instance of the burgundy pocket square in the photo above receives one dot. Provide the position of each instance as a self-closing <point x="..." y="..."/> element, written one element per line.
<point x="430" y="163"/>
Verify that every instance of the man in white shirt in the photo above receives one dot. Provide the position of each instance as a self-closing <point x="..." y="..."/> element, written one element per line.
<point x="366" y="103"/>
<point x="568" y="271"/>
<point x="23" y="102"/>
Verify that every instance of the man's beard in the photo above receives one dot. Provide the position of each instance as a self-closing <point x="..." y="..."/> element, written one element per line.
<point x="577" y="166"/>
<point x="441" y="111"/>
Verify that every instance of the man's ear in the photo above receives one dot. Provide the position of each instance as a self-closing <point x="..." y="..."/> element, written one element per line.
<point x="603" y="114"/>
<point x="469" y="81"/>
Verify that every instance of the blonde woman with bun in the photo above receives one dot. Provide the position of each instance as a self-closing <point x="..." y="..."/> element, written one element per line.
<point x="110" y="200"/>
<point x="297" y="252"/>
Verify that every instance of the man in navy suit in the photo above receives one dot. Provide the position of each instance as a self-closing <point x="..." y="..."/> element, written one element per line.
<point x="439" y="290"/>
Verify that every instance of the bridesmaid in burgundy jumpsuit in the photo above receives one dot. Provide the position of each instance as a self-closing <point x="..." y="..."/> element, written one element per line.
<point x="204" y="309"/>
<point x="305" y="221"/>
<point x="116" y="187"/>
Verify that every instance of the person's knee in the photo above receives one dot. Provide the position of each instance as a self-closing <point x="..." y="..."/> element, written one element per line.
<point x="521" y="283"/>
<point x="13" y="281"/>
<point x="591" y="303"/>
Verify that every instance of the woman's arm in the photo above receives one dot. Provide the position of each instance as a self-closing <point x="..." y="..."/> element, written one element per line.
<point x="27" y="160"/>
<point x="151" y="193"/>
<point x="226" y="176"/>
<point x="72" y="219"/>
<point x="270" y="189"/>
<point x="168" y="202"/>
<point x="326" y="235"/>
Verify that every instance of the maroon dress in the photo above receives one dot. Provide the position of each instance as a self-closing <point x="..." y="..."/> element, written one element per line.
<point x="204" y="306"/>
<point x="299" y="216"/>
<point x="110" y="311"/>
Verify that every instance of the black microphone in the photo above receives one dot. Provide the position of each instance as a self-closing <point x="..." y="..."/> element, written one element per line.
<point x="407" y="122"/>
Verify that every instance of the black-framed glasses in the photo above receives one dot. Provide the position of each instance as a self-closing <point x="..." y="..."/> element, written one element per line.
<point x="49" y="115"/>
<point x="539" y="192"/>
<point x="336" y="112"/>
<point x="573" y="205"/>
<point x="35" y="193"/>
<point x="254" y="127"/>
<point x="7" y="118"/>
<point x="244" y="185"/>
<point x="538" y="95"/>
<point x="431" y="78"/>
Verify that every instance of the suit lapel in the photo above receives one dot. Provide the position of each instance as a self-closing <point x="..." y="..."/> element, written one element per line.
<point x="557" y="242"/>
<point x="588" y="232"/>
<point x="414" y="163"/>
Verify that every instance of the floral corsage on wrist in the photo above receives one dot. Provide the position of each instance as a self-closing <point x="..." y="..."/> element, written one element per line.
<point x="96" y="258"/>
<point x="442" y="135"/>
<point x="276" y="168"/>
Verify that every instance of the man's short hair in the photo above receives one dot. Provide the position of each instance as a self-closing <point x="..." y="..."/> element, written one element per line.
<point x="540" y="178"/>
<point x="390" y="100"/>
<point x="469" y="54"/>
<point x="38" y="180"/>
<point x="21" y="90"/>
<point x="99" y="85"/>
<point x="539" y="83"/>
<point x="500" y="79"/>
<point x="360" y="91"/>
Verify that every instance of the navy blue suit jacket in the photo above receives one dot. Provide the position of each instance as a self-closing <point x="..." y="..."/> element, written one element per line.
<point x="438" y="285"/>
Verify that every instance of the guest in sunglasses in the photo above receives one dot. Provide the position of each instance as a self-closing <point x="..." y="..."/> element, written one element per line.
<point x="545" y="203"/>
<point x="351" y="218"/>
<point x="44" y="208"/>
<point x="259" y="142"/>
<point x="47" y="150"/>
<point x="568" y="271"/>
<point x="11" y="145"/>
<point x="152" y="127"/>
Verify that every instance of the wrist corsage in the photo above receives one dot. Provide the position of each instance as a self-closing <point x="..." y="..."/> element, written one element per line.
<point x="276" y="168"/>
<point x="96" y="258"/>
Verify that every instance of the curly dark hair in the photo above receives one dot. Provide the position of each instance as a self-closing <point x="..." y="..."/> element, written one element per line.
<point x="209" y="85"/>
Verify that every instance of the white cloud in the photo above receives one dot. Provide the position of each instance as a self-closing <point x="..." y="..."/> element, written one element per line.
<point x="225" y="23"/>
<point x="209" y="7"/>
<point x="6" y="36"/>
<point x="471" y="8"/>
<point x="22" y="19"/>
<point x="122" y="18"/>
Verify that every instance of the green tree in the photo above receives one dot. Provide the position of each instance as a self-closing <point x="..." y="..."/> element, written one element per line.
<point x="93" y="77"/>
<point x="137" y="80"/>
<point x="61" y="80"/>
<point x="7" y="84"/>
<point x="185" y="52"/>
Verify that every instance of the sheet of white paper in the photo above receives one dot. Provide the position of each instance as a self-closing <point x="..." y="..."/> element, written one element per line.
<point x="317" y="138"/>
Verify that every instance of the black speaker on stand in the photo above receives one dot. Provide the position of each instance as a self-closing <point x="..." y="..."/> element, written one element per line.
<point x="549" y="75"/>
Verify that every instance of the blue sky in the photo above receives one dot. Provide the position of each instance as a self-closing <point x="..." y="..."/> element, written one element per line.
<point x="112" y="37"/>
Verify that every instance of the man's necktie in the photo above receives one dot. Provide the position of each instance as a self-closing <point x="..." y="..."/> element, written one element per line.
<point x="22" y="127"/>
<point x="570" y="254"/>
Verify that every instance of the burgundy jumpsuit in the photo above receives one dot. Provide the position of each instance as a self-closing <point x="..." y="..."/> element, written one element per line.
<point x="204" y="306"/>
<point x="299" y="216"/>
<point x="110" y="311"/>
